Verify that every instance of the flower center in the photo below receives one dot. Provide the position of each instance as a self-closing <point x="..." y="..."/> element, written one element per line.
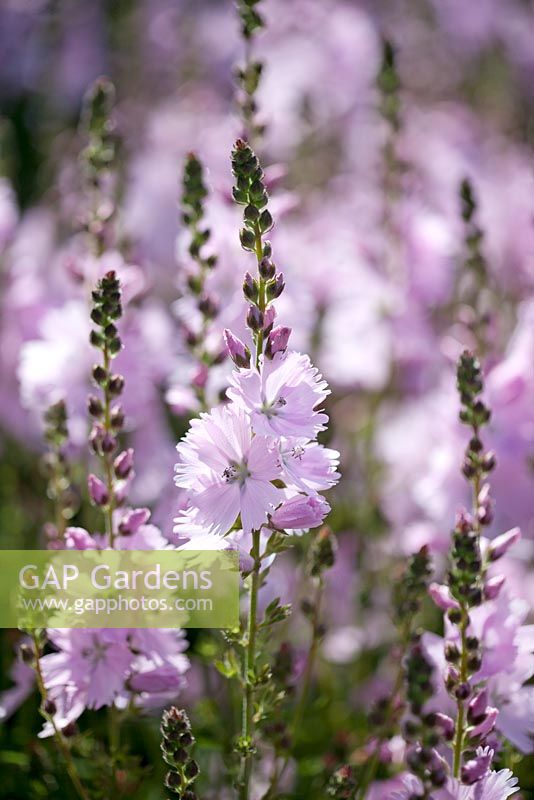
<point x="236" y="473"/>
<point x="270" y="409"/>
<point x="298" y="452"/>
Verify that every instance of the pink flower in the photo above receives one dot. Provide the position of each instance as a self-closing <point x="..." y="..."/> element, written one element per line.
<point x="282" y="397"/>
<point x="308" y="465"/>
<point x="237" y="350"/>
<point x="300" y="512"/>
<point x="228" y="472"/>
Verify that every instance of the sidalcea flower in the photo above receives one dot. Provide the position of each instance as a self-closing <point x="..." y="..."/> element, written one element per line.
<point x="282" y="397"/>
<point x="300" y="513"/>
<point x="308" y="465"/>
<point x="228" y="471"/>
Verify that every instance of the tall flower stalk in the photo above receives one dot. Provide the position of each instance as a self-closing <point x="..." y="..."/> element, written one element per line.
<point x="106" y="411"/>
<point x="466" y="573"/>
<point x="250" y="191"/>
<point x="248" y="75"/>
<point x="194" y="193"/>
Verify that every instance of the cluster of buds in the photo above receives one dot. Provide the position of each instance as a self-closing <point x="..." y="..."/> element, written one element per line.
<point x="106" y="411"/>
<point x="342" y="784"/>
<point x="477" y="463"/>
<point x="465" y="571"/>
<point x="194" y="193"/>
<point x="176" y="744"/>
<point x="248" y="75"/>
<point x="98" y="155"/>
<point x="423" y="730"/>
<point x="260" y="291"/>
<point x="57" y="470"/>
<point x="410" y="590"/>
<point x="388" y="83"/>
<point x="322" y="552"/>
<point x="475" y="278"/>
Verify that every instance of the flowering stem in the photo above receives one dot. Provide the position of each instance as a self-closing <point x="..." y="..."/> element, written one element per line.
<point x="62" y="746"/>
<point x="248" y="672"/>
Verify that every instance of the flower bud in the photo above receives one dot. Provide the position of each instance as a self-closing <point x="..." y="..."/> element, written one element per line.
<point x="97" y="491"/>
<point x="476" y="710"/>
<point x="250" y="287"/>
<point x="132" y="521"/>
<point x="237" y="350"/>
<point x="277" y="341"/>
<point x="116" y="384"/>
<point x="275" y="287"/>
<point x="446" y="725"/>
<point x="123" y="463"/>
<point x="254" y="318"/>
<point x="94" y="406"/>
<point x="300" y="512"/>
<point x="267" y="269"/>
<point x="476" y="768"/>
<point x="500" y="546"/>
<point x="442" y="597"/>
<point x="493" y="587"/>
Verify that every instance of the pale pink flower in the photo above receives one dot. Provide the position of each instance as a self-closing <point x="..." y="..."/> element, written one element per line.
<point x="282" y="397"/>
<point x="308" y="465"/>
<point x="228" y="471"/>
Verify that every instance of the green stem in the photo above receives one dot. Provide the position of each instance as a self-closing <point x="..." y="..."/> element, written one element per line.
<point x="58" y="736"/>
<point x="249" y="660"/>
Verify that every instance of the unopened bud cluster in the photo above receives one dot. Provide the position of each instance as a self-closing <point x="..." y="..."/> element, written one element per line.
<point x="98" y="126"/>
<point x="57" y="470"/>
<point x="106" y="410"/>
<point x="259" y="291"/>
<point x="423" y="730"/>
<point x="97" y="159"/>
<point x="176" y="743"/>
<point x="411" y="589"/>
<point x="389" y="84"/>
<point x="248" y="75"/>
<point x="322" y="552"/>
<point x="194" y="193"/>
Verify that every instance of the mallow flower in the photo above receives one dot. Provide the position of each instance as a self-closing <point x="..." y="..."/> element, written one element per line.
<point x="228" y="471"/>
<point x="283" y="396"/>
